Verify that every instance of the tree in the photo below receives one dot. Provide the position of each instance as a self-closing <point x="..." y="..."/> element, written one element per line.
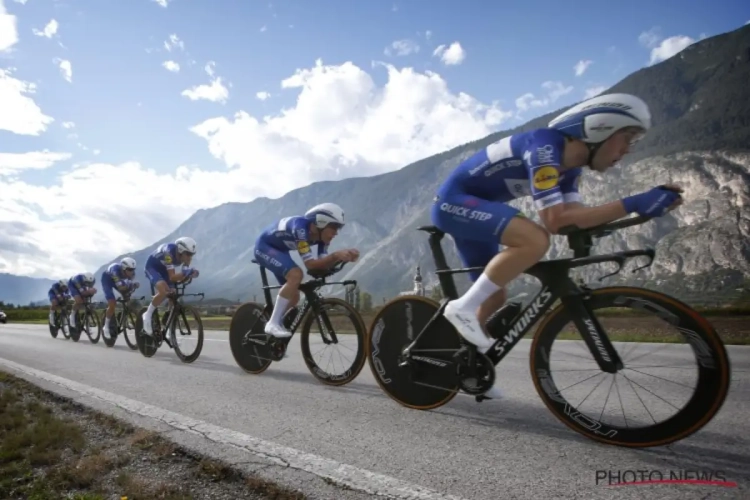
<point x="357" y="297"/>
<point x="437" y="293"/>
<point x="366" y="302"/>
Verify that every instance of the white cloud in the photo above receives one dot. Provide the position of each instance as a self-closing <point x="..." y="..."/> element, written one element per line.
<point x="262" y="95"/>
<point x="215" y="92"/>
<point x="171" y="66"/>
<point x="555" y="90"/>
<point x="581" y="66"/>
<point x="452" y="55"/>
<point x="428" y="34"/>
<point x="68" y="125"/>
<point x="12" y="163"/>
<point x="22" y="2"/>
<point x="8" y="31"/>
<point x="209" y="68"/>
<point x="49" y="30"/>
<point x="594" y="91"/>
<point x="650" y="38"/>
<point x="162" y="3"/>
<point x="343" y="124"/>
<point x="747" y="22"/>
<point x="669" y="47"/>
<point x="20" y="114"/>
<point x="402" y="48"/>
<point x="174" y="42"/>
<point x="66" y="69"/>
<point x="263" y="29"/>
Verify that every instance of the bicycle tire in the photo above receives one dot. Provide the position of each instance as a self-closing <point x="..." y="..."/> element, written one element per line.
<point x="75" y="333"/>
<point x="53" y="329"/>
<point x="387" y="333"/>
<point x="256" y="358"/>
<point x="709" y="395"/>
<point x="129" y="317"/>
<point x="184" y="310"/>
<point x="145" y="347"/>
<point x="91" y="313"/>
<point x="360" y="332"/>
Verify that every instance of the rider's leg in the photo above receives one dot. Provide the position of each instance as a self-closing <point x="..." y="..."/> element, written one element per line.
<point x="526" y="244"/>
<point x="160" y="283"/>
<point x="108" y="287"/>
<point x="289" y="275"/>
<point x="489" y="306"/>
<point x="77" y="301"/>
<point x="52" y="308"/>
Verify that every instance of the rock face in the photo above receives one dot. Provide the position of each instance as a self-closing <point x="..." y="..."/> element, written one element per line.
<point x="700" y="100"/>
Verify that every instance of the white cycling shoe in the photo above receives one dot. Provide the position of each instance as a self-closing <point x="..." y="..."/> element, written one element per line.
<point x="147" y="328"/>
<point x="467" y="325"/>
<point x="277" y="331"/>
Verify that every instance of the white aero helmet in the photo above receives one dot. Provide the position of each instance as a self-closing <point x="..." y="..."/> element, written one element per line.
<point x="63" y="283"/>
<point x="89" y="278"/>
<point x="185" y="245"/>
<point x="325" y="214"/>
<point x="595" y="120"/>
<point x="128" y="263"/>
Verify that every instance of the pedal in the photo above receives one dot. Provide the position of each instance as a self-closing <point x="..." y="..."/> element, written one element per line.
<point x="483" y="381"/>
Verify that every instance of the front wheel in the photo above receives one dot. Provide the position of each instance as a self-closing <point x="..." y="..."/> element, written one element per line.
<point x="183" y="334"/>
<point x="431" y="379"/>
<point x="337" y="317"/>
<point x="652" y="320"/>
<point x="90" y="322"/>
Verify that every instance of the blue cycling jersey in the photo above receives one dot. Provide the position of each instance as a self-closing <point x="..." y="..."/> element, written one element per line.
<point x="165" y="255"/>
<point x="117" y="274"/>
<point x="77" y="281"/>
<point x="525" y="164"/>
<point x="291" y="233"/>
<point x="57" y="289"/>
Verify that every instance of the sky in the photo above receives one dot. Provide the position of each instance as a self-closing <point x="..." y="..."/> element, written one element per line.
<point x="120" y="118"/>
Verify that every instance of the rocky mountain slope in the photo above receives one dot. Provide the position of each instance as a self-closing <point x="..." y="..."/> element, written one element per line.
<point x="22" y="289"/>
<point x="700" y="100"/>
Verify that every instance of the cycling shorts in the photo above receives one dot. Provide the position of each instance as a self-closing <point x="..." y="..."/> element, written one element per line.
<point x="475" y="224"/>
<point x="108" y="286"/>
<point x="279" y="262"/>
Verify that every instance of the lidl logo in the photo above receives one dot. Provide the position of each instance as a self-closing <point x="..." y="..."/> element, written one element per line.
<point x="546" y="178"/>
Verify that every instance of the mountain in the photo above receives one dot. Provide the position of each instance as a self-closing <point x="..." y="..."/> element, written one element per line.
<point x="22" y="290"/>
<point x="700" y="102"/>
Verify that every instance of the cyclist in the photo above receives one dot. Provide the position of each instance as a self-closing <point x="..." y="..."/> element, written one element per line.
<point x="319" y="225"/>
<point x="118" y="276"/>
<point x="80" y="286"/>
<point x="165" y="266"/>
<point x="58" y="295"/>
<point x="472" y="203"/>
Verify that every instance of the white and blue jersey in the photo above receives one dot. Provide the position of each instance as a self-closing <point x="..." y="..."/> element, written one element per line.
<point x="57" y="292"/>
<point x="76" y="285"/>
<point x="160" y="262"/>
<point x="113" y="278"/>
<point x="471" y="204"/>
<point x="278" y="239"/>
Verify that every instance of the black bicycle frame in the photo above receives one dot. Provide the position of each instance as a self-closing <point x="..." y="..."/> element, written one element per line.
<point x="556" y="284"/>
<point x="312" y="300"/>
<point x="174" y="299"/>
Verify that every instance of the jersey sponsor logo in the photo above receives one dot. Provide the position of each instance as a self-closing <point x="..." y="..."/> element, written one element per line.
<point x="303" y="247"/>
<point x="501" y="166"/>
<point x="167" y="259"/>
<point x="546" y="178"/>
<point x="545" y="154"/>
<point x="465" y="212"/>
<point x="479" y="167"/>
<point x="301" y="234"/>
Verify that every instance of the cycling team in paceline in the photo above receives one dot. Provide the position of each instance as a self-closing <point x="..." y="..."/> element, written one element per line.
<point x="471" y="205"/>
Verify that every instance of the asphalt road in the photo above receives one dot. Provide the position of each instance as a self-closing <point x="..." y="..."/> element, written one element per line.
<point x="299" y="430"/>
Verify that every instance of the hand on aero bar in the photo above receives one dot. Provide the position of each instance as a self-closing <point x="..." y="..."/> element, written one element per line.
<point x="655" y="202"/>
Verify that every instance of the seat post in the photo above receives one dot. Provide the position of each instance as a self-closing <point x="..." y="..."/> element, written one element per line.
<point x="446" y="280"/>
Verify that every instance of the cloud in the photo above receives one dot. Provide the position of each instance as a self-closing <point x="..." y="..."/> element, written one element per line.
<point x="342" y="124"/>
<point x="12" y="163"/>
<point x="452" y="55"/>
<point x="662" y="49"/>
<point x="49" y="30"/>
<point x="162" y="3"/>
<point x="66" y="69"/>
<point x="581" y="66"/>
<point x="171" y="66"/>
<point x="20" y="114"/>
<point x="8" y="31"/>
<point x="428" y="34"/>
<point x="22" y="2"/>
<point x="174" y="42"/>
<point x="262" y="95"/>
<point x="555" y="90"/>
<point x="402" y="48"/>
<point x="594" y="91"/>
<point x="263" y="29"/>
<point x="68" y="125"/>
<point x="670" y="47"/>
<point x="209" y="68"/>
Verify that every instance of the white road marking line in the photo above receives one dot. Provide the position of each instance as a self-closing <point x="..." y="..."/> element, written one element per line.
<point x="348" y="475"/>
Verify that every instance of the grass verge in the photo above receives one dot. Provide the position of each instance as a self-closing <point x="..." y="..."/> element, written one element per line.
<point x="52" y="448"/>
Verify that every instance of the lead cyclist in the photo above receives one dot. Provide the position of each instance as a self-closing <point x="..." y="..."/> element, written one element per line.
<point x="472" y="203"/>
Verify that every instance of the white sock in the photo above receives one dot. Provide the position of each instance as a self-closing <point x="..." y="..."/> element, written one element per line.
<point x="481" y="290"/>
<point x="278" y="310"/>
<point x="150" y="310"/>
<point x="72" y="317"/>
<point x="106" y="323"/>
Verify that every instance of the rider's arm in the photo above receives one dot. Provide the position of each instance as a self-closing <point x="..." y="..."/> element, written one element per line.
<point x="168" y="260"/>
<point x="558" y="202"/>
<point x="311" y="263"/>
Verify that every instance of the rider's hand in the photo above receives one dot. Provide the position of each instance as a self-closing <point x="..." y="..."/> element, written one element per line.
<point x="354" y="253"/>
<point x="343" y="255"/>
<point x="135" y="285"/>
<point x="195" y="273"/>
<point x="655" y="202"/>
